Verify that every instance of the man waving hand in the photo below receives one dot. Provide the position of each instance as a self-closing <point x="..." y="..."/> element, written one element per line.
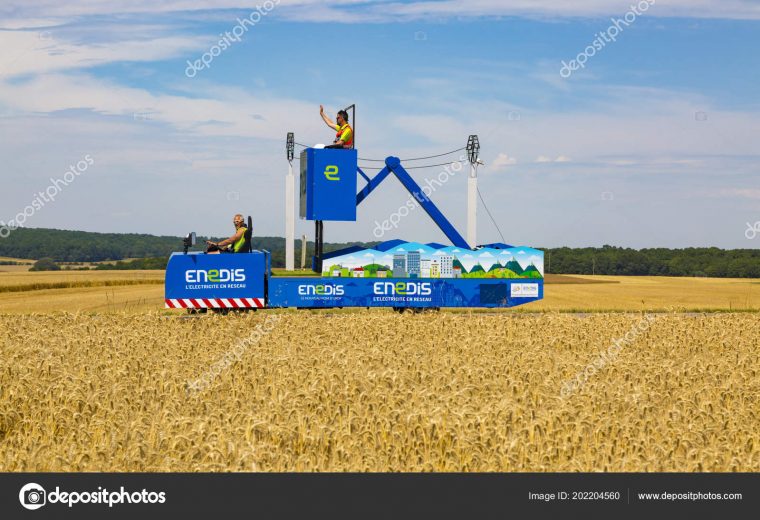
<point x="344" y="137"/>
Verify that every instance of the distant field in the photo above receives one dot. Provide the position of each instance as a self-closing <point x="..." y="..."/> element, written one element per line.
<point x="75" y="291"/>
<point x="279" y="271"/>
<point x="75" y="279"/>
<point x="574" y="279"/>
<point x="26" y="264"/>
<point x="138" y="291"/>
<point x="637" y="293"/>
<point x="11" y="259"/>
<point x="14" y="268"/>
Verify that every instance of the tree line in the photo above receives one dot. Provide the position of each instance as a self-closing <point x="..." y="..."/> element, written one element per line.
<point x="692" y="261"/>
<point x="141" y="251"/>
<point x="152" y="252"/>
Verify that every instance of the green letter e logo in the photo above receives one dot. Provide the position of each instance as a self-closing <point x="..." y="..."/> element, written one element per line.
<point x="331" y="173"/>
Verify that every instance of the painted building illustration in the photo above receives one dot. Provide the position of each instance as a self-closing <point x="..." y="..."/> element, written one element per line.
<point x="425" y="268"/>
<point x="447" y="266"/>
<point x="399" y="259"/>
<point x="435" y="269"/>
<point x="413" y="264"/>
<point x="399" y="265"/>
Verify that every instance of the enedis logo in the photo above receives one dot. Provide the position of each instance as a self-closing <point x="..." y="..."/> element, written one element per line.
<point x="403" y="288"/>
<point x="214" y="275"/>
<point x="320" y="290"/>
<point x="331" y="173"/>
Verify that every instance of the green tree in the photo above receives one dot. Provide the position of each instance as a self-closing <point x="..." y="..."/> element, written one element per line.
<point x="45" y="264"/>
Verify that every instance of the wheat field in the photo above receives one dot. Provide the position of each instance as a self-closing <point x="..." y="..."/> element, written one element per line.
<point x="32" y="280"/>
<point x="378" y="391"/>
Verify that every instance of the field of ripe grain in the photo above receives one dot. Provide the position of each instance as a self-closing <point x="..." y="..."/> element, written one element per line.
<point x="20" y="264"/>
<point x="76" y="279"/>
<point x="641" y="293"/>
<point x="378" y="391"/>
<point x="77" y="291"/>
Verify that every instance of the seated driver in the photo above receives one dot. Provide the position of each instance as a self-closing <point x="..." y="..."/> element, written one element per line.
<point x="234" y="243"/>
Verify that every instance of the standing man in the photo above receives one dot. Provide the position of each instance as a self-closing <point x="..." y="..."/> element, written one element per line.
<point x="344" y="138"/>
<point x="237" y="241"/>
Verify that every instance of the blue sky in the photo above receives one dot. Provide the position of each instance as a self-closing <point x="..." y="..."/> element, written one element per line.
<point x="653" y="143"/>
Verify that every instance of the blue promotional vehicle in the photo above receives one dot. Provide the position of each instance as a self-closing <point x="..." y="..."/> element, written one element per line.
<point x="397" y="274"/>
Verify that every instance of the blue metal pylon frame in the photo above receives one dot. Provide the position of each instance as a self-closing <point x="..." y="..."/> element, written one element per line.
<point x="393" y="165"/>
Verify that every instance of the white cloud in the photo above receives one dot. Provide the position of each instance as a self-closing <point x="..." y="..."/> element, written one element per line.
<point x="222" y="112"/>
<point x="735" y="9"/>
<point x="502" y="161"/>
<point x="559" y="159"/>
<point x="623" y="162"/>
<point x="27" y="52"/>
<point x="351" y="11"/>
<point x="743" y="193"/>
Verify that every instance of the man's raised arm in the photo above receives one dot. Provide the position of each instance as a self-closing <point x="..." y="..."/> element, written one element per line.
<point x="326" y="119"/>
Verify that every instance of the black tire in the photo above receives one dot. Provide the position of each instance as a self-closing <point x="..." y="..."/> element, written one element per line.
<point x="420" y="310"/>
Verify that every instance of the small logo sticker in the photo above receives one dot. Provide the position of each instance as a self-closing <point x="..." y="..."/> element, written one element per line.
<point x="524" y="290"/>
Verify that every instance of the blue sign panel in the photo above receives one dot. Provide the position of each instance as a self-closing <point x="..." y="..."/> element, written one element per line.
<point x="402" y="292"/>
<point x="328" y="184"/>
<point x="199" y="275"/>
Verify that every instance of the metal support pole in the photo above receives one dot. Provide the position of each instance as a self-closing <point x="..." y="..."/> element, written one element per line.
<point x="472" y="206"/>
<point x="290" y="215"/>
<point x="290" y="219"/>
<point x="473" y="152"/>
<point x="321" y="243"/>
<point x="303" y="251"/>
<point x="318" y="244"/>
